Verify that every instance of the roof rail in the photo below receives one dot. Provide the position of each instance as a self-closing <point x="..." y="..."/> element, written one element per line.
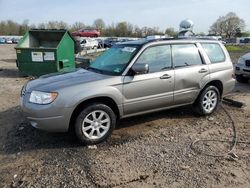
<point x="181" y="38"/>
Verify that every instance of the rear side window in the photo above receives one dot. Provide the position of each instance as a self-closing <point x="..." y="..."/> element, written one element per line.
<point x="214" y="52"/>
<point x="185" y="55"/>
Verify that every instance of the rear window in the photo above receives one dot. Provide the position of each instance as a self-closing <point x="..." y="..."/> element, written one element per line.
<point x="214" y="52"/>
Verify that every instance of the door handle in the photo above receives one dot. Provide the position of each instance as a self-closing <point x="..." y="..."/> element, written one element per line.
<point x="165" y="76"/>
<point x="203" y="70"/>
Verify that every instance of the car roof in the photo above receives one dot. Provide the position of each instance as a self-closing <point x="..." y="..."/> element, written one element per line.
<point x="144" y="41"/>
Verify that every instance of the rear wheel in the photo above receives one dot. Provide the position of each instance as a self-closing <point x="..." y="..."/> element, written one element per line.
<point x="207" y="101"/>
<point x="95" y="123"/>
<point x="241" y="79"/>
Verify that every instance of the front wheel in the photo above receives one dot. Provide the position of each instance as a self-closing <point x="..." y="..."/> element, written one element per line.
<point x="207" y="101"/>
<point x="95" y="123"/>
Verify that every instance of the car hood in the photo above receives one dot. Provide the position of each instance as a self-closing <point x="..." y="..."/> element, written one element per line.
<point x="246" y="56"/>
<point x="55" y="81"/>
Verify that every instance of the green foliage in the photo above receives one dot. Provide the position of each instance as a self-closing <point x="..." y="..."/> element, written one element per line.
<point x="245" y="34"/>
<point x="238" y="48"/>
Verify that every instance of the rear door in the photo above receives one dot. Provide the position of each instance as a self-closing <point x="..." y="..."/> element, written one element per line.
<point x="191" y="73"/>
<point x="145" y="92"/>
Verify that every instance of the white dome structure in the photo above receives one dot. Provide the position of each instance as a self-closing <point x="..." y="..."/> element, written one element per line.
<point x="186" y="28"/>
<point x="186" y="25"/>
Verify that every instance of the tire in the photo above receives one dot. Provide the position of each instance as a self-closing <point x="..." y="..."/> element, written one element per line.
<point x="241" y="79"/>
<point x="208" y="101"/>
<point x="95" y="124"/>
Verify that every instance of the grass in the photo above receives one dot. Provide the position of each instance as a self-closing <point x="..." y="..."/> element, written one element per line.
<point x="238" y="48"/>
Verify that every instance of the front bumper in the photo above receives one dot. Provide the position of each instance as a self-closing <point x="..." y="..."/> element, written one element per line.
<point x="242" y="70"/>
<point x="48" y="117"/>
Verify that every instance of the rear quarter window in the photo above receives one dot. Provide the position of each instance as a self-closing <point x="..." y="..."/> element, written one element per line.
<point x="214" y="52"/>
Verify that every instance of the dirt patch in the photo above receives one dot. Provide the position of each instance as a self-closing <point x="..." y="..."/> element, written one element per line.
<point x="144" y="151"/>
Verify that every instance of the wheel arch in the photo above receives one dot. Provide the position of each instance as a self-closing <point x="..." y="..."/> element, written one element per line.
<point x="216" y="83"/>
<point x="102" y="99"/>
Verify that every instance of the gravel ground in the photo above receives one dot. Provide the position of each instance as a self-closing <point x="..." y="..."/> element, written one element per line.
<point x="145" y="151"/>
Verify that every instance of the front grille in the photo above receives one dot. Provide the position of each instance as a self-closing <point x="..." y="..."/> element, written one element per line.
<point x="248" y="63"/>
<point x="246" y="70"/>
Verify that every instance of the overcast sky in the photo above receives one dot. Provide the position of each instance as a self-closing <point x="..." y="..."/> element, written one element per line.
<point x="153" y="13"/>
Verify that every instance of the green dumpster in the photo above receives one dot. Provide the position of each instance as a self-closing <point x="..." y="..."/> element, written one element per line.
<point x="45" y="51"/>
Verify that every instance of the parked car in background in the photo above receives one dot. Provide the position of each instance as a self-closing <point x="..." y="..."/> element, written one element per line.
<point x="89" y="43"/>
<point x="15" y="40"/>
<point x="87" y="33"/>
<point x="129" y="79"/>
<point x="9" y="41"/>
<point x="100" y="43"/>
<point x="242" y="69"/>
<point x="2" y="40"/>
<point x="109" y="42"/>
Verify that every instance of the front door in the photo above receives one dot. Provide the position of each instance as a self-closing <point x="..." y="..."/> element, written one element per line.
<point x="152" y="90"/>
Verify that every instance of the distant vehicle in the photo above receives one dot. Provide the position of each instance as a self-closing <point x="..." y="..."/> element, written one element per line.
<point x="15" y="40"/>
<point x="87" y="33"/>
<point x="109" y="42"/>
<point x="9" y="41"/>
<point x="2" y="40"/>
<point x="89" y="43"/>
<point x="242" y="40"/>
<point x="242" y="69"/>
<point x="100" y="43"/>
<point x="123" y="40"/>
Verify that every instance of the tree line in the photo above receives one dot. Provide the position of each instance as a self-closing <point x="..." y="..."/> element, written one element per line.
<point x="120" y="29"/>
<point x="227" y="26"/>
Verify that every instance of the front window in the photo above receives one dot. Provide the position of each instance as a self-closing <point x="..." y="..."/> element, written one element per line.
<point x="158" y="58"/>
<point x="114" y="60"/>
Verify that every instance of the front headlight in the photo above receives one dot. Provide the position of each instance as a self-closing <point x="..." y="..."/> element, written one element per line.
<point x="39" y="97"/>
<point x="241" y="61"/>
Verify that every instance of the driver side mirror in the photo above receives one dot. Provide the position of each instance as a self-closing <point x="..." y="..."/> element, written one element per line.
<point x="140" y="68"/>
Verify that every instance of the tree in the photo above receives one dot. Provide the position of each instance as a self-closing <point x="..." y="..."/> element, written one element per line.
<point x="56" y="25"/>
<point x="62" y="25"/>
<point x="201" y="34"/>
<point x="228" y="25"/>
<point x="245" y="34"/>
<point x="24" y="27"/>
<point x="99" y="24"/>
<point x="171" y="32"/>
<point x="41" y="26"/>
<point x="2" y="28"/>
<point x="121" y="29"/>
<point x="77" y="26"/>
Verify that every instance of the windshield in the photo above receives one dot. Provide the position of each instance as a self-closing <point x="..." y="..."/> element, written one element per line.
<point x="114" y="60"/>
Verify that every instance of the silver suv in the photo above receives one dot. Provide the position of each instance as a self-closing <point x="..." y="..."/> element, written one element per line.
<point x="129" y="79"/>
